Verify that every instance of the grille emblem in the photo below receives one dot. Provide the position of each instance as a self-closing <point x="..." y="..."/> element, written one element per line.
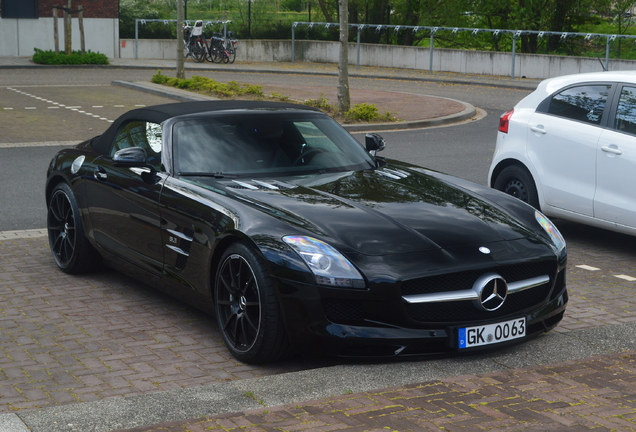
<point x="491" y="290"/>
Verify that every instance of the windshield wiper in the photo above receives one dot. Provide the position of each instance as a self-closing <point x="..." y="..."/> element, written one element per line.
<point x="208" y="174"/>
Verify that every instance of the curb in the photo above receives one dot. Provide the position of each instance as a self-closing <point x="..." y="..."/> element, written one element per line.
<point x="186" y="96"/>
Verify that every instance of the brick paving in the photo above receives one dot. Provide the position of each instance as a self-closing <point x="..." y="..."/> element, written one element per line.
<point x="68" y="339"/>
<point x="596" y="394"/>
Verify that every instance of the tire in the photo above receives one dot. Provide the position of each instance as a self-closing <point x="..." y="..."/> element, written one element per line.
<point x="71" y="250"/>
<point x="198" y="54"/>
<point x="216" y="56"/>
<point x="226" y="57"/>
<point x="517" y="181"/>
<point x="232" y="54"/>
<point x="247" y="308"/>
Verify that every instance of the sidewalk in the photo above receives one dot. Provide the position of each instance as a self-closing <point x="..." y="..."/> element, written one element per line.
<point x="101" y="353"/>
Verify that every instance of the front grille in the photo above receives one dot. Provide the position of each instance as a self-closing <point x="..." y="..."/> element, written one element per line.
<point x="465" y="280"/>
<point x="459" y="311"/>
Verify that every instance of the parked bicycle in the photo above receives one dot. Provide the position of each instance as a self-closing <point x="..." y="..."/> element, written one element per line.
<point x="222" y="50"/>
<point x="194" y="42"/>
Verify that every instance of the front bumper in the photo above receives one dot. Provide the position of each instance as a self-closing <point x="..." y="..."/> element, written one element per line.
<point x="378" y="324"/>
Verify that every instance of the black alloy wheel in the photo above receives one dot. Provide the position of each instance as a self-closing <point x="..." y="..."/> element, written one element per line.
<point x="247" y="308"/>
<point x="70" y="248"/>
<point x="517" y="181"/>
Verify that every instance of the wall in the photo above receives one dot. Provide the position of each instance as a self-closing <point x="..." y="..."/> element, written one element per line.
<point x="20" y="36"/>
<point x="447" y="60"/>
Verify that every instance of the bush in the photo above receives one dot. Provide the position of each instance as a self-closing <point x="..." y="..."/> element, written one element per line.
<point x="75" y="58"/>
<point x="208" y="86"/>
<point x="367" y="112"/>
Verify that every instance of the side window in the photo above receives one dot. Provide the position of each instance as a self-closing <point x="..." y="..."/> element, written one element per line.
<point x="583" y="103"/>
<point x="626" y="111"/>
<point x="146" y="135"/>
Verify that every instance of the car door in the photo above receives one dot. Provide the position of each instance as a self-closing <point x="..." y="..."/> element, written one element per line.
<point x="562" y="139"/>
<point x="123" y="204"/>
<point x="615" y="200"/>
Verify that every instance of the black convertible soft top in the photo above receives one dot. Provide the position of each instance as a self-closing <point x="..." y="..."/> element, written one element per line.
<point x="160" y="113"/>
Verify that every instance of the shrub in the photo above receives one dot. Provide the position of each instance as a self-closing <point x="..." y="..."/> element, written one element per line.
<point x="208" y="86"/>
<point x="367" y="112"/>
<point x="75" y="58"/>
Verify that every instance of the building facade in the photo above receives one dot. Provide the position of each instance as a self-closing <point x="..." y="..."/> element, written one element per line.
<point x="29" y="24"/>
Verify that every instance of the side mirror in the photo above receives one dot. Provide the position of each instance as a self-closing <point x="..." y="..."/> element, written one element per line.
<point x="135" y="157"/>
<point x="374" y="143"/>
<point x="130" y="157"/>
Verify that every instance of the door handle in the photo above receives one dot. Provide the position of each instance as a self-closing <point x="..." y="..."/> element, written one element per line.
<point x="613" y="150"/>
<point x="538" y="129"/>
<point x="100" y="174"/>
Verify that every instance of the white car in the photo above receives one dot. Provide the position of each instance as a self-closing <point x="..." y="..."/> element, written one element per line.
<point x="569" y="149"/>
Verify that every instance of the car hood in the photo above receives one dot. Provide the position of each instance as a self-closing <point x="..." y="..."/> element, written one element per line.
<point x="381" y="212"/>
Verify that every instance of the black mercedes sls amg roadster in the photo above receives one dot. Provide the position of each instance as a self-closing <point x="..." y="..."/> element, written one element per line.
<point x="296" y="236"/>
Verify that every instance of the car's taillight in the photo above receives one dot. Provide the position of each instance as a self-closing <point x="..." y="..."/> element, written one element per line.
<point x="504" y="121"/>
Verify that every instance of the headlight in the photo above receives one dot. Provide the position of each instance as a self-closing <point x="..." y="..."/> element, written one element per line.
<point x="553" y="232"/>
<point x="328" y="265"/>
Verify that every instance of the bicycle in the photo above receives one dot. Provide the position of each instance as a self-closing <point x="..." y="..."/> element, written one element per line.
<point x="194" y="42"/>
<point x="222" y="50"/>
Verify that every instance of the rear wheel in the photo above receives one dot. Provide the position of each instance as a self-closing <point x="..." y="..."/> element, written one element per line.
<point x="232" y="54"/>
<point x="517" y="181"/>
<point x="198" y="53"/>
<point x="70" y="247"/>
<point x="247" y="308"/>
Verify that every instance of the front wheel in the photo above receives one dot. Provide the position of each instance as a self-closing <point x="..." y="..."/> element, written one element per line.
<point x="70" y="247"/>
<point x="517" y="181"/>
<point x="247" y="308"/>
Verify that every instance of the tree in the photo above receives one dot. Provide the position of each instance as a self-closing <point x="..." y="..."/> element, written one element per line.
<point x="344" y="99"/>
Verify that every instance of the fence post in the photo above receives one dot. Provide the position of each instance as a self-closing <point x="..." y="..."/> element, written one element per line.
<point x="358" y="48"/>
<point x="430" y="59"/>
<point x="514" y="53"/>
<point x="607" y="50"/>
<point x="293" y="40"/>
<point x="137" y="39"/>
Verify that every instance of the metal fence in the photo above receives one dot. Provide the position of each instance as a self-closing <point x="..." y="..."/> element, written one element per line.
<point x="516" y="34"/>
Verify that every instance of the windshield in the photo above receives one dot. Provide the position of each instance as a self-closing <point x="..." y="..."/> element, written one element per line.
<point x="265" y="143"/>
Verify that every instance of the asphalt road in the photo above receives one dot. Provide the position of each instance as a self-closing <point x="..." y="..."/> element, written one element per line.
<point x="87" y="103"/>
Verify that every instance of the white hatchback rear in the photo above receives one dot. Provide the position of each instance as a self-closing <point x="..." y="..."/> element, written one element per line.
<point x="569" y="149"/>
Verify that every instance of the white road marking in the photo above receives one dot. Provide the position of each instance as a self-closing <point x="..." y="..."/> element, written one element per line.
<point x="587" y="267"/>
<point x="76" y="108"/>
<point x="625" y="277"/>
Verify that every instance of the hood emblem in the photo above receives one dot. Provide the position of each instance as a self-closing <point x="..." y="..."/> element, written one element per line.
<point x="484" y="250"/>
<point x="491" y="290"/>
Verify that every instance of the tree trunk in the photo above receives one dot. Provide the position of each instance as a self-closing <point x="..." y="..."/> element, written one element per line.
<point x="180" y="60"/>
<point x="344" y="100"/>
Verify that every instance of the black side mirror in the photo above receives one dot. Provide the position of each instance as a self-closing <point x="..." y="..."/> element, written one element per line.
<point x="374" y="143"/>
<point x="135" y="157"/>
<point x="130" y="157"/>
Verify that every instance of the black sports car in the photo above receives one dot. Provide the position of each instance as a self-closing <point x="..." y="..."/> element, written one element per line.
<point x="296" y="236"/>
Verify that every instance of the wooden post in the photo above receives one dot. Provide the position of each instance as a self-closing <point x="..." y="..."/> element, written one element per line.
<point x="80" y="20"/>
<point x="56" y="37"/>
<point x="68" y="38"/>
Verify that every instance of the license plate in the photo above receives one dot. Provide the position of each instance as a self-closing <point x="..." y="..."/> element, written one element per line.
<point x="469" y="337"/>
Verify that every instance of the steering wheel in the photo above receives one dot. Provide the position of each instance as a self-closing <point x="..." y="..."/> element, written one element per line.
<point x="306" y="154"/>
